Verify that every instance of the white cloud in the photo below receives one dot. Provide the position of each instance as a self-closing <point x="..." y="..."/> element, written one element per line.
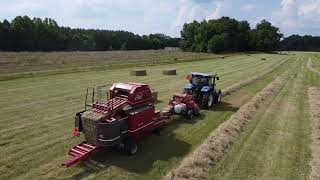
<point x="297" y="16"/>
<point x="165" y="16"/>
<point x="248" y="7"/>
<point x="189" y="10"/>
<point x="217" y="11"/>
<point x="310" y="10"/>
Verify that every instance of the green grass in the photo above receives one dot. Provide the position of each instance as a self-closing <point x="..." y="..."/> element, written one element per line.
<point x="25" y="64"/>
<point x="276" y="144"/>
<point x="37" y="119"/>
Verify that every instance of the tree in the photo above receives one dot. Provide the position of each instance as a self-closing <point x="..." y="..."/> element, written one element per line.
<point x="301" y="43"/>
<point x="266" y="37"/>
<point x="207" y="35"/>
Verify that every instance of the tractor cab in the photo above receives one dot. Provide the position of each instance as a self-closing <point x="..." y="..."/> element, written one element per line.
<point x="202" y="88"/>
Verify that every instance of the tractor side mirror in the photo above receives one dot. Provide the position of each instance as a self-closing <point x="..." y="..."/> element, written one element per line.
<point x="218" y="78"/>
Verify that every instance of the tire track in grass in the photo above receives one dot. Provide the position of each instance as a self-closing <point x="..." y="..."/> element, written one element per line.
<point x="314" y="101"/>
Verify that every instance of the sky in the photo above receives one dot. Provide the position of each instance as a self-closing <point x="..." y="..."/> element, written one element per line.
<point x="168" y="16"/>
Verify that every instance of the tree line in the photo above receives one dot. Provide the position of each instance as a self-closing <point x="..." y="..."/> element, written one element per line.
<point x="227" y="34"/>
<point x="26" y="34"/>
<point x="301" y="43"/>
<point x="219" y="35"/>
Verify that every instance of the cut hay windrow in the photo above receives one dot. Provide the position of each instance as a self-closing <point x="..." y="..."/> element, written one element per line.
<point x="197" y="164"/>
<point x="311" y="68"/>
<point x="314" y="100"/>
<point x="236" y="87"/>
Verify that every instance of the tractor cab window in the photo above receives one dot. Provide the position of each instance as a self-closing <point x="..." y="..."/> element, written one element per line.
<point x="199" y="80"/>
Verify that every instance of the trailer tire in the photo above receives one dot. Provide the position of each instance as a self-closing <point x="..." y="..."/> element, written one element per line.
<point x="190" y="114"/>
<point x="130" y="146"/>
<point x="157" y="131"/>
<point x="196" y="110"/>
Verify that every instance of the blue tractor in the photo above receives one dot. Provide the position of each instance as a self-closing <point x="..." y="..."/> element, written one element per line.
<point x="202" y="88"/>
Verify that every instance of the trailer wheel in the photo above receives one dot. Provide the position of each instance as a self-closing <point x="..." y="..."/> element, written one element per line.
<point x="130" y="146"/>
<point x="190" y="114"/>
<point x="196" y="110"/>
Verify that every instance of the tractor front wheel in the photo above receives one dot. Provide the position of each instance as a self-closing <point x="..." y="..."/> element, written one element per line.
<point x="130" y="146"/>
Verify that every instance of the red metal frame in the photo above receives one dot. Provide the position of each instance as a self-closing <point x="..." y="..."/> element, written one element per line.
<point x="78" y="153"/>
<point x="110" y="106"/>
<point x="143" y="118"/>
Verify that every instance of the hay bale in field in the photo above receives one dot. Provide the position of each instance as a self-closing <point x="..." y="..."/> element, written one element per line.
<point x="263" y="59"/>
<point x="169" y="72"/>
<point x="222" y="57"/>
<point x="90" y="121"/>
<point x="138" y="72"/>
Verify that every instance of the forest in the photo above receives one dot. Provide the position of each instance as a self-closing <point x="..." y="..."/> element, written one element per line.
<point x="26" y="34"/>
<point x="219" y="35"/>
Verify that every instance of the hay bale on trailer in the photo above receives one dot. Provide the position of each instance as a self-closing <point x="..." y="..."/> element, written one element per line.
<point x="90" y="121"/>
<point x="138" y="72"/>
<point x="169" y="72"/>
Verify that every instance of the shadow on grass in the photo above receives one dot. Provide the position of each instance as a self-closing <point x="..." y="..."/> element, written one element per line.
<point x="152" y="149"/>
<point x="224" y="106"/>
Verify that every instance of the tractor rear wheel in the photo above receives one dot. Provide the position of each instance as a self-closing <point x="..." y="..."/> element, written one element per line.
<point x="130" y="146"/>
<point x="217" y="98"/>
<point x="207" y="100"/>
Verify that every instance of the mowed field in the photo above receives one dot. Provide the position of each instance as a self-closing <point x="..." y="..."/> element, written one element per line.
<point x="37" y="117"/>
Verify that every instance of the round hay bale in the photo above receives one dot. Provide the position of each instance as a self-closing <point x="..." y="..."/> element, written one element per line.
<point x="222" y="57"/>
<point x="263" y="59"/>
<point x="169" y="72"/>
<point x="138" y="72"/>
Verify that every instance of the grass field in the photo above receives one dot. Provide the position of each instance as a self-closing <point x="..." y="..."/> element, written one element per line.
<point x="37" y="119"/>
<point x="276" y="144"/>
